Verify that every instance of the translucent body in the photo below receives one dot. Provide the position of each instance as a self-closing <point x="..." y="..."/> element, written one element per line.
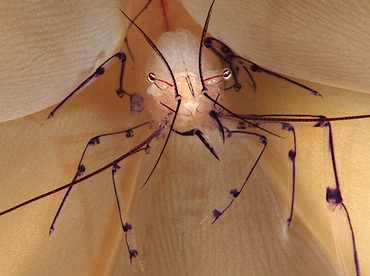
<point x="181" y="50"/>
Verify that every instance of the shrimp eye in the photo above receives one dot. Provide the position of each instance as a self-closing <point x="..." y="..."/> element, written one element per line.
<point x="159" y="83"/>
<point x="151" y="77"/>
<point x="227" y="74"/>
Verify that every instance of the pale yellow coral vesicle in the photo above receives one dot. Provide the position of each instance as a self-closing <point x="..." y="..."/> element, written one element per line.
<point x="252" y="237"/>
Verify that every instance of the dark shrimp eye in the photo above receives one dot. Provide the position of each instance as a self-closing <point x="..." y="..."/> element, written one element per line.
<point x="159" y="83"/>
<point x="227" y="74"/>
<point x="151" y="77"/>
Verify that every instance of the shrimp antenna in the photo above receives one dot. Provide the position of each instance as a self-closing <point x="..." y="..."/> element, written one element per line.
<point x="205" y="28"/>
<point x="178" y="96"/>
<point x="134" y="150"/>
<point x="111" y="164"/>
<point x="151" y="43"/>
<point x="142" y="10"/>
<point x="204" y="88"/>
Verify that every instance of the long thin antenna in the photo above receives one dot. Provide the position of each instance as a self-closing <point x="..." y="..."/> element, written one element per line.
<point x="178" y="96"/>
<point x="111" y="164"/>
<point x="155" y="49"/>
<point x="204" y="88"/>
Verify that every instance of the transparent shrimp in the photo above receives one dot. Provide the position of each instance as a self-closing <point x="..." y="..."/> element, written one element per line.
<point x="218" y="135"/>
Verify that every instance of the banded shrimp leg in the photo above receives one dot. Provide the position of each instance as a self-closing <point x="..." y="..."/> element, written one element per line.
<point x="343" y="231"/>
<point x="82" y="126"/>
<point x="167" y="82"/>
<point x="348" y="261"/>
<point x="36" y="156"/>
<point x="346" y="247"/>
<point x="136" y="107"/>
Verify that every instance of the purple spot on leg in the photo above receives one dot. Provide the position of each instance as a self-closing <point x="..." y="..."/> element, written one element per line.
<point x="120" y="92"/>
<point x="287" y="126"/>
<point x="148" y="149"/>
<point x="333" y="196"/>
<point x="129" y="133"/>
<point x="94" y="141"/>
<point x="100" y="71"/>
<point x="133" y="253"/>
<point x="115" y="168"/>
<point x="127" y="227"/>
<point x="136" y="104"/>
<point x="234" y="193"/>
<point x="121" y="56"/>
<point x="241" y="125"/>
<point x="80" y="171"/>
<point x="292" y="155"/>
<point x="216" y="214"/>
